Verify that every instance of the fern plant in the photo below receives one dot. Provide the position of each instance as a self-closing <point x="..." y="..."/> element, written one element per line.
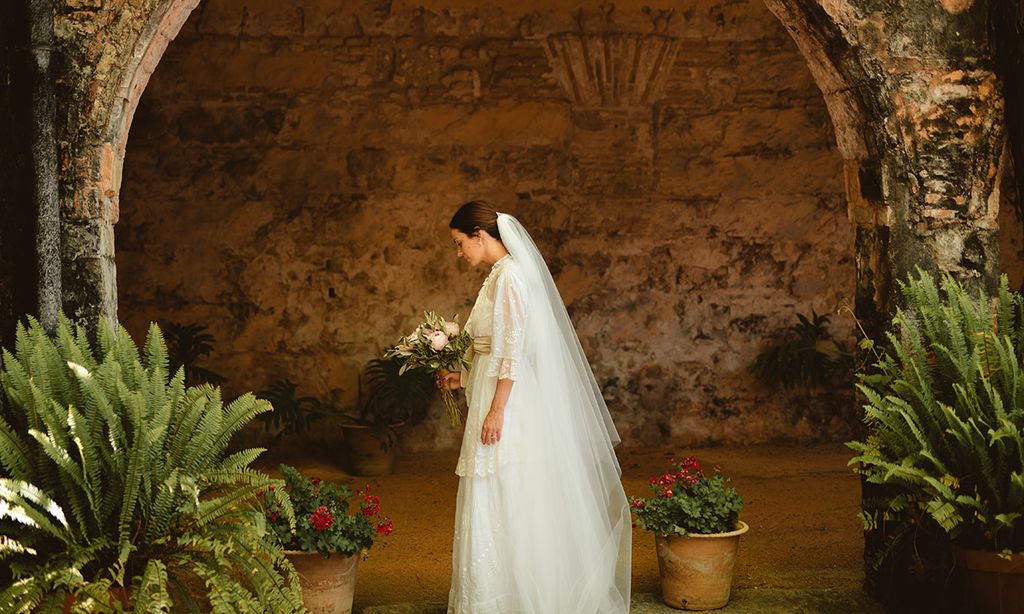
<point x="116" y="491"/>
<point x="945" y="412"/>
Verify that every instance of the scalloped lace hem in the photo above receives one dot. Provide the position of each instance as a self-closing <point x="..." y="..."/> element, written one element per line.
<point x="483" y="466"/>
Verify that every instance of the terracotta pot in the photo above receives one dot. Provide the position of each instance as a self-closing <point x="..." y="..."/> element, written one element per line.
<point x="370" y="450"/>
<point x="996" y="584"/>
<point x="696" y="570"/>
<point x="328" y="585"/>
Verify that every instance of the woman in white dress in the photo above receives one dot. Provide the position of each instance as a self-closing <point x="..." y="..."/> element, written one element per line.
<point x="542" y="525"/>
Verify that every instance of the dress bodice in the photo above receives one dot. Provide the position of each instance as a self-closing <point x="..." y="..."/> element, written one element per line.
<point x="497" y="320"/>
<point x="496" y="324"/>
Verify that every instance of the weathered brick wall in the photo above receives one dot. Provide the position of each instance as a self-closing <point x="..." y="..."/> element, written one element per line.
<point x="290" y="173"/>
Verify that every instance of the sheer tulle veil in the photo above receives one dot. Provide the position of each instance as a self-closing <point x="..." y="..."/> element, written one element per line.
<point x="575" y="506"/>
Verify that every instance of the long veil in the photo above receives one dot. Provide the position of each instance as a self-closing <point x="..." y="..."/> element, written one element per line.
<point x="574" y="506"/>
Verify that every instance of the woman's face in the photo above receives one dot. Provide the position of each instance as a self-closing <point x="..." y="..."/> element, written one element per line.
<point x="469" y="248"/>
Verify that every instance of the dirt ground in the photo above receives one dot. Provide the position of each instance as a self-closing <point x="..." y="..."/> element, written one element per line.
<point x="800" y="502"/>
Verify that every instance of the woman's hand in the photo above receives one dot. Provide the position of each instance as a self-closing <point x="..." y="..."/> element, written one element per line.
<point x="452" y="380"/>
<point x="490" y="433"/>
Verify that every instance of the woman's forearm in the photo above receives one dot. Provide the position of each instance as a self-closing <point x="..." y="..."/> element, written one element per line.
<point x="501" y="392"/>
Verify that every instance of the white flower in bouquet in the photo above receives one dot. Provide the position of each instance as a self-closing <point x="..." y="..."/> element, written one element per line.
<point x="451" y="329"/>
<point x="438" y="339"/>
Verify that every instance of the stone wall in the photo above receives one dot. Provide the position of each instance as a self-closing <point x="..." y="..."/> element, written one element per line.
<point x="290" y="173"/>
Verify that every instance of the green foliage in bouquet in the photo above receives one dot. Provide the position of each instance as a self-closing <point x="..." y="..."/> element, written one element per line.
<point x="115" y="481"/>
<point x="945" y="412"/>
<point x="323" y="523"/>
<point x="686" y="501"/>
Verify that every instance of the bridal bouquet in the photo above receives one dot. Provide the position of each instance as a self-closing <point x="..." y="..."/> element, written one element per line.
<point x="435" y="344"/>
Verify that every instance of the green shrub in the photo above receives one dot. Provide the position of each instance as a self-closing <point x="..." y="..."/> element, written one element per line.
<point x="805" y="354"/>
<point x="115" y="481"/>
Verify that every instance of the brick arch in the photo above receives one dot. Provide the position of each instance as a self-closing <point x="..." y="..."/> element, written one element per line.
<point x="95" y="128"/>
<point x="163" y="26"/>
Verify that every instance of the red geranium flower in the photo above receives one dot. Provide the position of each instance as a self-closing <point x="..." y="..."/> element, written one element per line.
<point x="321" y="519"/>
<point x="370" y="505"/>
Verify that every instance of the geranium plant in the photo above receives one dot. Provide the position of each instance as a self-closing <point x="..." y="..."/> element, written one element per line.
<point x="686" y="501"/>
<point x="322" y="520"/>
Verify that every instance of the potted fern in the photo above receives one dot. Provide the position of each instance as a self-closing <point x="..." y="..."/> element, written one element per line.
<point x="325" y="542"/>
<point x="945" y="416"/>
<point x="392" y="398"/>
<point x="116" y="488"/>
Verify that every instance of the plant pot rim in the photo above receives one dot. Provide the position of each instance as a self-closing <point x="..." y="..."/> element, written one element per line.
<point x="314" y="552"/>
<point x="962" y="548"/>
<point x="353" y="425"/>
<point x="988" y="560"/>
<point x="741" y="528"/>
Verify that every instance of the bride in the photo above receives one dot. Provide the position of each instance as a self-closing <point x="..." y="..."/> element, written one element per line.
<point x="542" y="524"/>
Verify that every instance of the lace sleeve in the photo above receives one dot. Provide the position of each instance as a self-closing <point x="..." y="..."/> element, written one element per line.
<point x="509" y="323"/>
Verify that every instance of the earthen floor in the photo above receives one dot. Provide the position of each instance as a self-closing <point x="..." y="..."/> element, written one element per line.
<point x="801" y="504"/>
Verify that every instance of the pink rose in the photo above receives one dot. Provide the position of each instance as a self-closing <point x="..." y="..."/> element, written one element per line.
<point x="438" y="340"/>
<point x="451" y="329"/>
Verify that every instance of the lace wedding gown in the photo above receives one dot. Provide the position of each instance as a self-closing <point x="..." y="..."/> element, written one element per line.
<point x="541" y="524"/>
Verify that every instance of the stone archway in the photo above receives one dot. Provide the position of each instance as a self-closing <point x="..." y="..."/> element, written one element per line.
<point x="107" y="80"/>
<point x="918" y="119"/>
<point x="910" y="204"/>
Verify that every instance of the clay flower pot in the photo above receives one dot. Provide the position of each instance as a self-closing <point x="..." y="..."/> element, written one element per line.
<point x="371" y="450"/>
<point x="328" y="585"/>
<point x="696" y="570"/>
<point x="996" y="584"/>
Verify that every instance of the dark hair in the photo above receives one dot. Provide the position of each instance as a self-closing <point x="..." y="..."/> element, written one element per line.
<point x="474" y="216"/>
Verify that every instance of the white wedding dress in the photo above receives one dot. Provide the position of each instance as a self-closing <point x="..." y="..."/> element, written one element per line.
<point x="542" y="525"/>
